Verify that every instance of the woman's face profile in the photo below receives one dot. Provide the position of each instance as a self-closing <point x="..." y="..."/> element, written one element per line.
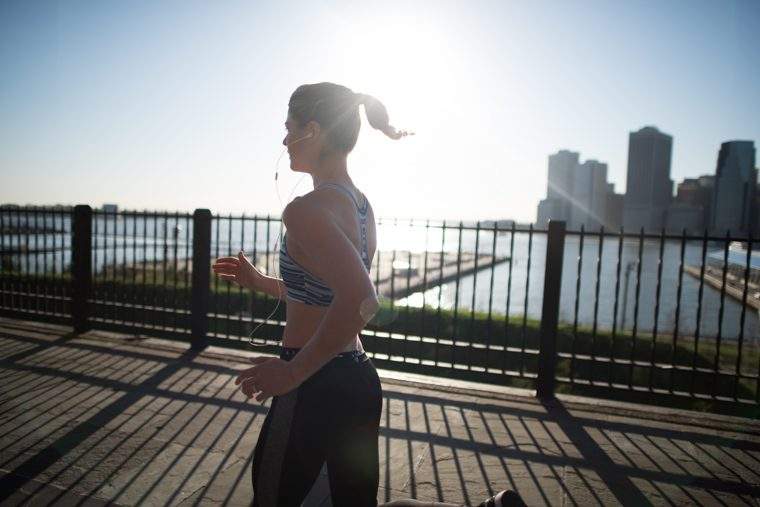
<point x="300" y="148"/>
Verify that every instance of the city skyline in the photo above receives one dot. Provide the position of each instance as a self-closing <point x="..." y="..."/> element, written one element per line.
<point x="580" y="195"/>
<point x="155" y="106"/>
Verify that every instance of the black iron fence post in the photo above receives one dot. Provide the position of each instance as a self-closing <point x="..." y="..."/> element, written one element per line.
<point x="81" y="267"/>
<point x="547" y="357"/>
<point x="201" y="277"/>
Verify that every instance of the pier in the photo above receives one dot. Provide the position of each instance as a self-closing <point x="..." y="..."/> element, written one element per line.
<point x="734" y="285"/>
<point x="402" y="273"/>
<point x="398" y="274"/>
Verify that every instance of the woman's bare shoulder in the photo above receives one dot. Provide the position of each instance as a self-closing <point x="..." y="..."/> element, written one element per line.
<point x="306" y="210"/>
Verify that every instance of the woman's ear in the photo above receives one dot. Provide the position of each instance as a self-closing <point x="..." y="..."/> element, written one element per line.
<point x="313" y="128"/>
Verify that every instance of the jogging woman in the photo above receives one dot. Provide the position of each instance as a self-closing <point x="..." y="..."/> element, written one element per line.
<point x="326" y="394"/>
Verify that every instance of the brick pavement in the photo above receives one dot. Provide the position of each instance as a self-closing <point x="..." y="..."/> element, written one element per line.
<point x="104" y="418"/>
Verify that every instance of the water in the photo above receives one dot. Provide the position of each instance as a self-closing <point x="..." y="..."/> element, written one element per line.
<point x="153" y="239"/>
<point x="605" y="310"/>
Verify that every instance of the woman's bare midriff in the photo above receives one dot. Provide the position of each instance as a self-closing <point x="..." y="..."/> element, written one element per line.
<point x="303" y="321"/>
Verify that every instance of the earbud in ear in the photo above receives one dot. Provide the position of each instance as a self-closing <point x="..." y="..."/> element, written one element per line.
<point x="310" y="134"/>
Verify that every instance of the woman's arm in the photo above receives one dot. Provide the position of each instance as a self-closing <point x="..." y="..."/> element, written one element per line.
<point x="334" y="259"/>
<point x="338" y="263"/>
<point x="244" y="273"/>
<point x="272" y="286"/>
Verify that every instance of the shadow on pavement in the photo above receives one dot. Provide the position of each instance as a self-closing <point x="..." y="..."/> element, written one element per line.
<point x="87" y="420"/>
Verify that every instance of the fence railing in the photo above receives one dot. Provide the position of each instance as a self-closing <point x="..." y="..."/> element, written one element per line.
<point x="645" y="317"/>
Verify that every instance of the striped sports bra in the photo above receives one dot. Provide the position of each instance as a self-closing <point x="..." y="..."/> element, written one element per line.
<point x="306" y="288"/>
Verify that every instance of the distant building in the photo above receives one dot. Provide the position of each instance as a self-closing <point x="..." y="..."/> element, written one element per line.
<point x="690" y="209"/>
<point x="695" y="191"/>
<point x="559" y="187"/>
<point x="614" y="213"/>
<point x="649" y="189"/>
<point x="734" y="196"/>
<point x="685" y="216"/>
<point x="551" y="209"/>
<point x="562" y="167"/>
<point x="589" y="198"/>
<point x="110" y="208"/>
<point x="500" y="224"/>
<point x="576" y="193"/>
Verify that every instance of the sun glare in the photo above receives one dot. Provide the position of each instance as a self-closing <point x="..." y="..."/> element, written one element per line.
<point x="404" y="64"/>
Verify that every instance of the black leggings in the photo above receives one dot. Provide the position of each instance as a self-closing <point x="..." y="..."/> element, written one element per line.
<point x="333" y="416"/>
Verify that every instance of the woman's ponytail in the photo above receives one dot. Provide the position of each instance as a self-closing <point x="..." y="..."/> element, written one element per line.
<point x="336" y="109"/>
<point x="377" y="116"/>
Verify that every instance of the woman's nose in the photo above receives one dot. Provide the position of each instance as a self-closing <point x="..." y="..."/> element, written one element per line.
<point x="285" y="141"/>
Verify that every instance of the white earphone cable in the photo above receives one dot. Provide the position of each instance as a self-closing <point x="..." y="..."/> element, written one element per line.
<point x="251" y="339"/>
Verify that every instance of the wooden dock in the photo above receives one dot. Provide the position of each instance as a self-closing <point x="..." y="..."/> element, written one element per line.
<point x="402" y="273"/>
<point x="398" y="274"/>
<point x="406" y="273"/>
<point x="734" y="286"/>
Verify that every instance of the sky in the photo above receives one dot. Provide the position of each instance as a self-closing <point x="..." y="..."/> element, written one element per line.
<point x="177" y="105"/>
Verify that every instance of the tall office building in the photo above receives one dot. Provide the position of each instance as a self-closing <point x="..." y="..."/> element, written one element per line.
<point x="562" y="167"/>
<point x="559" y="188"/>
<point x="589" y="204"/>
<point x="649" y="188"/>
<point x="576" y="193"/>
<point x="733" y="199"/>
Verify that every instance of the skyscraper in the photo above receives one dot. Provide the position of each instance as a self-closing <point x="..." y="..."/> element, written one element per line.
<point x="649" y="188"/>
<point x="576" y="193"/>
<point x="561" y="173"/>
<point x="589" y="204"/>
<point x="733" y="199"/>
<point x="559" y="188"/>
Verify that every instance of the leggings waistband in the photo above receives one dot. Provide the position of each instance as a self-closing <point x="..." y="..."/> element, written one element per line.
<point x="356" y="356"/>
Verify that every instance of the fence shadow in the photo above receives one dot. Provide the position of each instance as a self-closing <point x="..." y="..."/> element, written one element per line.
<point x="130" y="425"/>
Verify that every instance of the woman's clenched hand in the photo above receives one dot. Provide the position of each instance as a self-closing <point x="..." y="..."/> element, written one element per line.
<point x="270" y="376"/>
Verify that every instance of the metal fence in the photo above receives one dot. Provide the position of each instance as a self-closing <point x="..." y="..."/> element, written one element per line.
<point x="611" y="314"/>
<point x="679" y="358"/>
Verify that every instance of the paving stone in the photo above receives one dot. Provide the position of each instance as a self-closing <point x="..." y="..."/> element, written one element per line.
<point x="230" y="486"/>
<point x="406" y="428"/>
<point x="134" y="424"/>
<point x="170" y="476"/>
<point x="36" y="493"/>
<point x="584" y="487"/>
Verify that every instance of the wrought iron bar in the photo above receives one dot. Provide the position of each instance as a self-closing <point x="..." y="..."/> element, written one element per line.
<point x="634" y="337"/>
<point x="653" y="352"/>
<point x="678" y="311"/>
<point x="613" y="338"/>
<point x="719" y="338"/>
<point x="699" y="314"/>
<point x="525" y="304"/>
<point x="579" y="271"/>
<point x="474" y="293"/>
<point x="509" y="295"/>
<point x="740" y="345"/>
